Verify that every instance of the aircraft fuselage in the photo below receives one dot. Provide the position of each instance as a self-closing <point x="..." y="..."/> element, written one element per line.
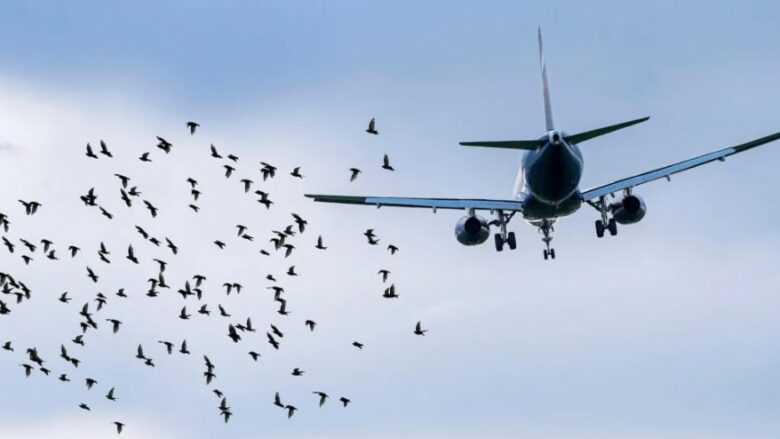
<point x="549" y="178"/>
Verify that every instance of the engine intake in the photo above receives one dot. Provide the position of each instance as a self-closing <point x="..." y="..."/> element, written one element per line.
<point x="629" y="210"/>
<point x="472" y="230"/>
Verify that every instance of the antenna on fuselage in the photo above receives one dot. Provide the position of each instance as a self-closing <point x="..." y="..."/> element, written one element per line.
<point x="545" y="87"/>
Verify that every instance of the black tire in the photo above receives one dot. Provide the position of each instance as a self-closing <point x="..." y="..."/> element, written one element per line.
<point x="552" y="253"/>
<point x="546" y="255"/>
<point x="510" y="240"/>
<point x="599" y="229"/>
<point x="499" y="242"/>
<point x="612" y="227"/>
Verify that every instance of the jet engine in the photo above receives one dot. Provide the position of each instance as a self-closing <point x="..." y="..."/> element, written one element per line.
<point x="631" y="209"/>
<point x="472" y="230"/>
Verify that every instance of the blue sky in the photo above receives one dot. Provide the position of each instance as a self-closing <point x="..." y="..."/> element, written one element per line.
<point x="668" y="330"/>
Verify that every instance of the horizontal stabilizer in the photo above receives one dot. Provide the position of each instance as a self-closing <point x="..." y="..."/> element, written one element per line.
<point x="510" y="144"/>
<point x="587" y="135"/>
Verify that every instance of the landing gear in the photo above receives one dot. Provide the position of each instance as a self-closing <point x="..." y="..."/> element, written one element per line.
<point x="605" y="223"/>
<point x="504" y="237"/>
<point x="612" y="227"/>
<point x="545" y="227"/>
<point x="499" y="242"/>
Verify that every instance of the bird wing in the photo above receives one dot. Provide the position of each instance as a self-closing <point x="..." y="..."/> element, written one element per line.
<point x="434" y="203"/>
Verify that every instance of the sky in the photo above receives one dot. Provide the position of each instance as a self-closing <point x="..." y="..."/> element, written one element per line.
<point x="667" y="330"/>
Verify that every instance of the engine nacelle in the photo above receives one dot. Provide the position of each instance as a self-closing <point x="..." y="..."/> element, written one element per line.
<point x="472" y="230"/>
<point x="629" y="210"/>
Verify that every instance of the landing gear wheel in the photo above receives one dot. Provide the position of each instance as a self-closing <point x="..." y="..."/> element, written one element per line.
<point x="599" y="229"/>
<point x="510" y="240"/>
<point x="499" y="242"/>
<point x="612" y="227"/>
<point x="552" y="253"/>
<point x="546" y="254"/>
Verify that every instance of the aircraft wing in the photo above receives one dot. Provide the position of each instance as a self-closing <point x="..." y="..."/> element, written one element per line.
<point x="666" y="171"/>
<point x="430" y="203"/>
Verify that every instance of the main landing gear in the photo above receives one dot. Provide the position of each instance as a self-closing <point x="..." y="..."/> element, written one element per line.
<point x="605" y="223"/>
<point x="545" y="227"/>
<point x="503" y="237"/>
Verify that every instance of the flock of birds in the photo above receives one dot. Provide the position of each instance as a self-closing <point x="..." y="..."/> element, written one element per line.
<point x="16" y="292"/>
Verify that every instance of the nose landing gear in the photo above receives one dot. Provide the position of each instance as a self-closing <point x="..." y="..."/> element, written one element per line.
<point x="546" y="228"/>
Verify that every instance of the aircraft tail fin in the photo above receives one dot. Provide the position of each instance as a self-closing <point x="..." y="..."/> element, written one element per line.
<point x="545" y="87"/>
<point x="587" y="135"/>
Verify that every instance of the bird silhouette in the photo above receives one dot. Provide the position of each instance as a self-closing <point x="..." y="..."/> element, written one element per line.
<point x="354" y="172"/>
<point x="290" y="410"/>
<point x="164" y="145"/>
<point x="192" y="126"/>
<point x="386" y="163"/>
<point x="323" y="397"/>
<point x="372" y="127"/>
<point x="90" y="153"/>
<point x="30" y="207"/>
<point x="418" y="329"/>
<point x="104" y="149"/>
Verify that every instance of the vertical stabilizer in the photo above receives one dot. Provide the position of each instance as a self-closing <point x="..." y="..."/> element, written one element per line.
<point x="545" y="88"/>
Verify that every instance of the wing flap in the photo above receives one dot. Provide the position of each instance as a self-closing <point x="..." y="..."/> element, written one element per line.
<point x="430" y="203"/>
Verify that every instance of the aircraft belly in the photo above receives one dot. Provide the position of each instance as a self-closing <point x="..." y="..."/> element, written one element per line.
<point x="535" y="209"/>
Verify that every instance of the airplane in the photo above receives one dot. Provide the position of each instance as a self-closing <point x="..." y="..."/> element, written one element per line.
<point x="547" y="185"/>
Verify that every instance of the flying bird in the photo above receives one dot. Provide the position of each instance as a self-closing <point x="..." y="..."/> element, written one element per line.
<point x="90" y="153"/>
<point x="386" y="163"/>
<point x="372" y="127"/>
<point x="323" y="396"/>
<point x="104" y="149"/>
<point x="354" y="174"/>
<point x="30" y="207"/>
<point x="164" y="145"/>
<point x="192" y="126"/>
